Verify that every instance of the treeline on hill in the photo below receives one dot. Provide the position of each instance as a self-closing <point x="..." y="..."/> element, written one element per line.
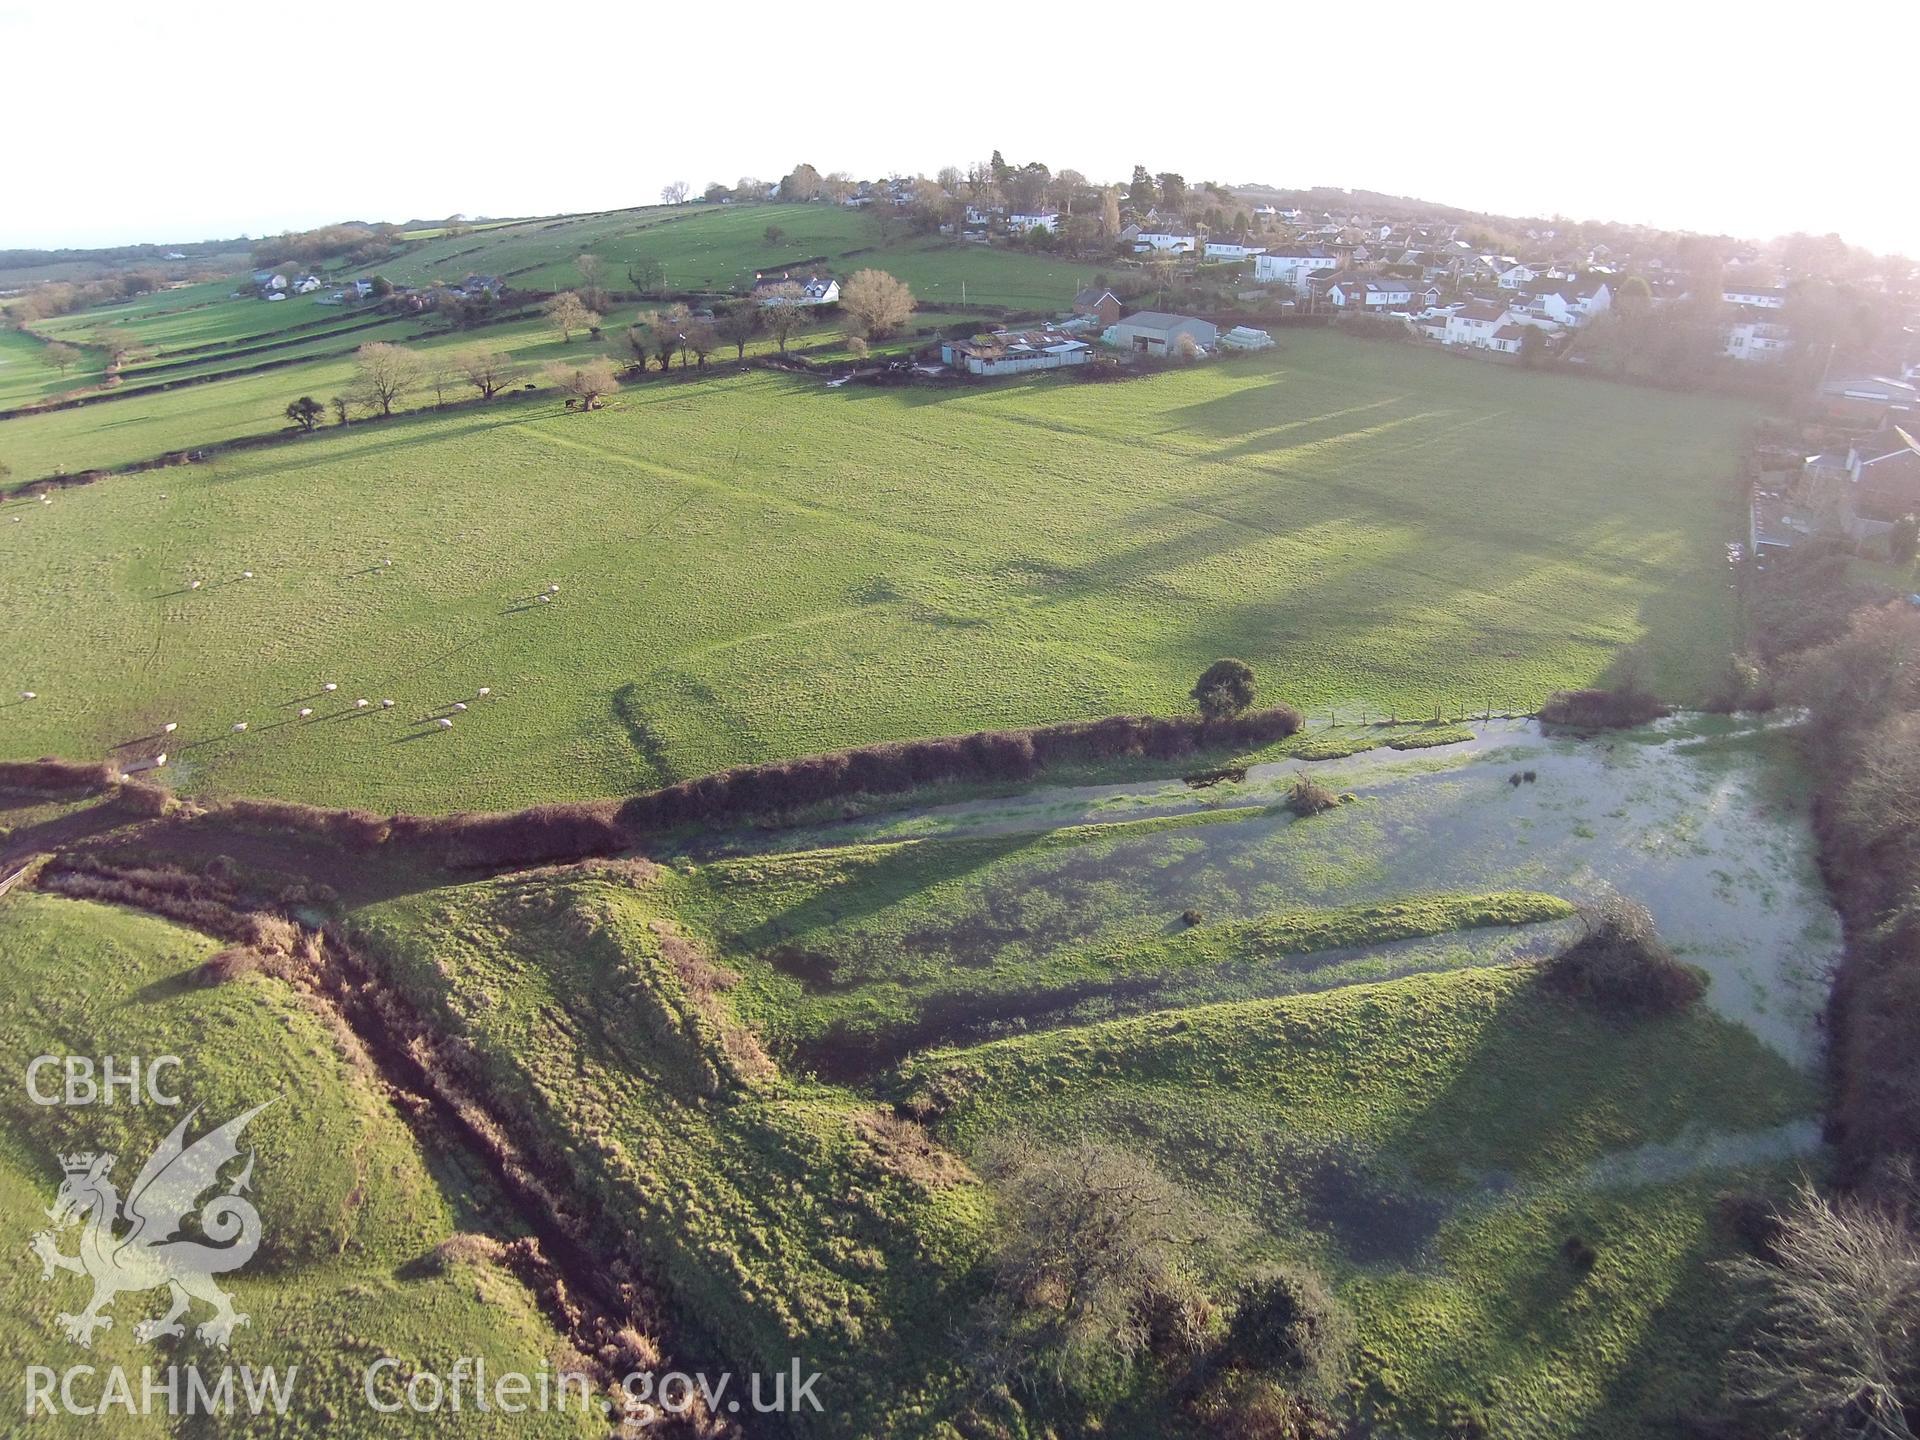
<point x="353" y="242"/>
<point x="1851" y="656"/>
<point x="62" y="297"/>
<point x="547" y="833"/>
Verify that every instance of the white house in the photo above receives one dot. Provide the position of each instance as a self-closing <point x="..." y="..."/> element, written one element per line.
<point x="1761" y="297"/>
<point x="1224" y="250"/>
<point x="1566" y="302"/>
<point x="306" y="284"/>
<point x="1047" y="220"/>
<point x="1753" y="339"/>
<point x="1014" y="352"/>
<point x="1370" y="295"/>
<point x="1512" y="277"/>
<point x="1162" y="242"/>
<point x="814" y="290"/>
<point x="1154" y="332"/>
<point x="1294" y="265"/>
<point x="1475" y="323"/>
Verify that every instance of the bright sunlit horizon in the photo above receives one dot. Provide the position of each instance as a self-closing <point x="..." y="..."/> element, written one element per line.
<point x="204" y="123"/>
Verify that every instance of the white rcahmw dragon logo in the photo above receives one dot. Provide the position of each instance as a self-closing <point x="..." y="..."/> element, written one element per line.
<point x="148" y="1255"/>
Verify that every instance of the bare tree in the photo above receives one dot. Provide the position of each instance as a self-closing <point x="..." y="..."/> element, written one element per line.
<point x="593" y="281"/>
<point x="1110" y="213"/>
<point x="838" y="186"/>
<point x="674" y="192"/>
<point x="567" y="312"/>
<point x="60" y="357"/>
<point x="441" y="370"/>
<point x="586" y="382"/>
<point x="342" y="409"/>
<point x="488" y="371"/>
<point x="950" y="179"/>
<point x="659" y="332"/>
<point x="701" y="338"/>
<point x="1090" y="1241"/>
<point x="383" y="373"/>
<point x="878" y="302"/>
<point x="785" y="307"/>
<point x="739" y="323"/>
<point x="1836" y="1312"/>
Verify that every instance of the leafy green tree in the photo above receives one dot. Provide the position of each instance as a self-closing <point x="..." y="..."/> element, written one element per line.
<point x="1140" y="191"/>
<point x="1224" y="689"/>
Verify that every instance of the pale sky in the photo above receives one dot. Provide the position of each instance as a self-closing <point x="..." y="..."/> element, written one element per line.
<point x="122" y="122"/>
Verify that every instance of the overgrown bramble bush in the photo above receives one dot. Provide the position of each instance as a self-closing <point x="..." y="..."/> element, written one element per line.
<point x="1621" y="965"/>
<point x="1309" y="797"/>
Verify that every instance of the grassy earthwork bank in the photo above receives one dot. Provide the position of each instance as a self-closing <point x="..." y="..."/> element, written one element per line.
<point x="353" y="1210"/>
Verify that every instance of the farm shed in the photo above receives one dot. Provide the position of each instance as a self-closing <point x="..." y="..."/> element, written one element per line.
<point x="1014" y="352"/>
<point x="1153" y="332"/>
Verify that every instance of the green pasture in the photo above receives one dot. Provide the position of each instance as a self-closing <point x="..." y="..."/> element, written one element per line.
<point x="758" y="566"/>
<point x="351" y="1208"/>
<point x="722" y="247"/>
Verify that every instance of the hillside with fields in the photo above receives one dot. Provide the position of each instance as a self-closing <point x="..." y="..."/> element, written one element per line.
<point x="1002" y="820"/>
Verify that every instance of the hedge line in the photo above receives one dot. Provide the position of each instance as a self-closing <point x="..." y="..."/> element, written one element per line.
<point x="547" y="833"/>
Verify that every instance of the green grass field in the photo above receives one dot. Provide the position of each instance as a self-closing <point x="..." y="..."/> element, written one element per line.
<point x="759" y="566"/>
<point x="704" y="247"/>
<point x="350" y="1206"/>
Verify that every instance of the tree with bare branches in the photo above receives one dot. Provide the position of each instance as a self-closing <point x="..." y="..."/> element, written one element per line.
<point x="1835" y="1314"/>
<point x="674" y="192"/>
<point x="488" y="371"/>
<point x="739" y="323"/>
<point x="785" y="307"/>
<point x="567" y="312"/>
<point x="585" y="382"/>
<point x="383" y="373"/>
<point x="878" y="303"/>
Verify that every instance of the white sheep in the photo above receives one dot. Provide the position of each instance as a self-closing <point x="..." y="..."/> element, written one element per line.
<point x="444" y="723"/>
<point x="361" y="704"/>
<point x="545" y="598"/>
<point x="553" y="589"/>
<point x="246" y="574"/>
<point x="193" y="584"/>
<point x="486" y="690"/>
<point x="159" y="759"/>
<point x="330" y="687"/>
<point x="169" y="728"/>
<point x="305" y="711"/>
<point x="29" y="695"/>
<point x="241" y="726"/>
<point x="386" y="704"/>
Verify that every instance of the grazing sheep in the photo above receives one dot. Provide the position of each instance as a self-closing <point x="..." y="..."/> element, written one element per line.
<point x="545" y="598"/>
<point x="29" y="695"/>
<point x="246" y="574"/>
<point x="486" y="690"/>
<point x="386" y="704"/>
<point x="193" y="584"/>
<point x="459" y="704"/>
<point x="305" y="711"/>
<point x="361" y="704"/>
<point x="444" y="723"/>
<point x="241" y="726"/>
<point x="159" y="759"/>
<point x="169" y="728"/>
<point x="329" y="687"/>
<point x="553" y="589"/>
